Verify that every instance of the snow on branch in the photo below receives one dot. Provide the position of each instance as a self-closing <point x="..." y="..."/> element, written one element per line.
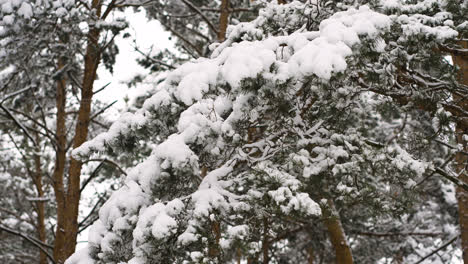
<point x="38" y="199"/>
<point x="321" y="55"/>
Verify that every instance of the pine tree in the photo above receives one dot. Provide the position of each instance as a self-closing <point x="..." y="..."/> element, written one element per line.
<point x="311" y="133"/>
<point x="49" y="55"/>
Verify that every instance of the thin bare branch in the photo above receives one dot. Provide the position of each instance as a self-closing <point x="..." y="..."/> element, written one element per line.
<point x="113" y="163"/>
<point x="91" y="176"/>
<point x="102" y="110"/>
<point x="34" y="120"/>
<point x="35" y="242"/>
<point x="230" y="10"/>
<point x="13" y="94"/>
<point x="100" y="124"/>
<point x="95" y="207"/>
<point x="5" y="85"/>
<point x="195" y="9"/>
<point x="108" y="9"/>
<point x="397" y="234"/>
<point x="96" y="170"/>
<point x="177" y="34"/>
<point x="18" y="123"/>
<point x="50" y="134"/>
<point x="89" y="223"/>
<point x="153" y="60"/>
<point x="102" y="88"/>
<point x="453" y="179"/>
<point x="438" y="249"/>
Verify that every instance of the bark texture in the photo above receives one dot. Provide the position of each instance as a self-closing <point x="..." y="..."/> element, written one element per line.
<point x="337" y="235"/>
<point x="223" y="20"/>
<point x="461" y="160"/>
<point x="59" y="169"/>
<point x="68" y="203"/>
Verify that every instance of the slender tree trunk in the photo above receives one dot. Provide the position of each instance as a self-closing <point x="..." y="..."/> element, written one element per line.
<point x="40" y="205"/>
<point x="223" y="20"/>
<point x="265" y="244"/>
<point x="460" y="158"/>
<point x="214" y="251"/>
<point x="59" y="169"/>
<point x="337" y="235"/>
<point x="310" y="252"/>
<point x="67" y="228"/>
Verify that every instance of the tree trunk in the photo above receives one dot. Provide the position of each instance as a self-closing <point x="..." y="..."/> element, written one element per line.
<point x="238" y="256"/>
<point x="59" y="169"/>
<point x="213" y="250"/>
<point x="40" y="205"/>
<point x="67" y="224"/>
<point x="460" y="158"/>
<point x="223" y="20"/>
<point x="337" y="235"/>
<point x="265" y="244"/>
<point x="310" y="253"/>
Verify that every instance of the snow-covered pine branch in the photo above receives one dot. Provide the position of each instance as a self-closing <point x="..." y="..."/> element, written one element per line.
<point x="305" y="115"/>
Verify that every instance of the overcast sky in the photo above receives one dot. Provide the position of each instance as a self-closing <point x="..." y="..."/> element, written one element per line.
<point x="146" y="33"/>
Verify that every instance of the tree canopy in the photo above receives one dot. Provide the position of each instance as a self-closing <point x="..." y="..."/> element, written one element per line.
<point x="315" y="132"/>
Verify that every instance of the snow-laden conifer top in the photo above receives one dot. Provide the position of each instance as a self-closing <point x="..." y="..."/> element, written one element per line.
<point x="278" y="119"/>
<point x="307" y="54"/>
